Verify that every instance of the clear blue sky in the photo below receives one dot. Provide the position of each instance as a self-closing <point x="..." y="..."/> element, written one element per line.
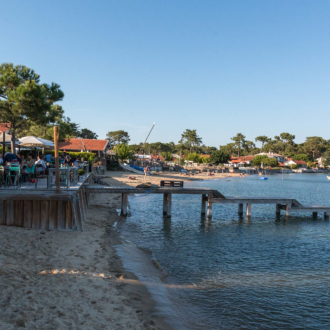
<point x="221" y="67"/>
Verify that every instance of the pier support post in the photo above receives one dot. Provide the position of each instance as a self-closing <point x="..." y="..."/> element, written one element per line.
<point x="169" y="205"/>
<point x="278" y="209"/>
<point x="165" y="204"/>
<point x="288" y="210"/>
<point x="209" y="205"/>
<point x="204" y="199"/>
<point x="240" y="209"/>
<point x="124" y="202"/>
<point x="326" y="215"/>
<point x="314" y="214"/>
<point x="248" y="210"/>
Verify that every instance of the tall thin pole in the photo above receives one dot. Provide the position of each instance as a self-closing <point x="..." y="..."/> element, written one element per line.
<point x="57" y="161"/>
<point x="4" y="142"/>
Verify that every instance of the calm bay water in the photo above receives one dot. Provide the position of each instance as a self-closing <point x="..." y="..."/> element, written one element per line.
<point x="231" y="273"/>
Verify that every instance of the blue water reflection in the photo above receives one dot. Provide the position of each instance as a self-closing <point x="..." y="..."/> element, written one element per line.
<point x="264" y="273"/>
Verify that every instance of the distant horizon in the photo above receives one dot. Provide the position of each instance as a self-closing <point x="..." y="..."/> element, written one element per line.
<point x="256" y="68"/>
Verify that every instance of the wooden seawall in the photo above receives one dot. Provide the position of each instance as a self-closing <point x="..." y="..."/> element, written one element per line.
<point x="45" y="209"/>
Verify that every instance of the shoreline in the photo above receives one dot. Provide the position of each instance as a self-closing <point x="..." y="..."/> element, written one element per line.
<point x="71" y="279"/>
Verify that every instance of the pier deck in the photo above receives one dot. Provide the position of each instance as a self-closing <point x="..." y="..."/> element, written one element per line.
<point x="42" y="208"/>
<point x="211" y="196"/>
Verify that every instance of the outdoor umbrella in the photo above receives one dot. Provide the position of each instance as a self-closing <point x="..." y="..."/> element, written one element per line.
<point x="33" y="141"/>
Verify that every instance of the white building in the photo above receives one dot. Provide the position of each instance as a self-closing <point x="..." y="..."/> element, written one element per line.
<point x="279" y="158"/>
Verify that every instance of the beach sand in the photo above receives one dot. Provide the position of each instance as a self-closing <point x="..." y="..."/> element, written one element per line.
<point x="119" y="178"/>
<point x="75" y="280"/>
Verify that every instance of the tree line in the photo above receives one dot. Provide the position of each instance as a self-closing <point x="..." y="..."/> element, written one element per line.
<point x="191" y="143"/>
<point x="30" y="107"/>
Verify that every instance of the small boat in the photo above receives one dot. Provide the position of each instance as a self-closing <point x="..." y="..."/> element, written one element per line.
<point x="328" y="176"/>
<point x="263" y="178"/>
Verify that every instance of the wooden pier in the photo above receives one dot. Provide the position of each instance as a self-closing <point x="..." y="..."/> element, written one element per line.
<point x="210" y="197"/>
<point x="41" y="208"/>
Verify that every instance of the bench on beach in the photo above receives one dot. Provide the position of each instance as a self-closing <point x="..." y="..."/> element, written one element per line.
<point x="169" y="183"/>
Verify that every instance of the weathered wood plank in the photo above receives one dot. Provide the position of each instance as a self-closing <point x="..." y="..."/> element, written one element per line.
<point x="124" y="202"/>
<point x="165" y="204"/>
<point x="52" y="215"/>
<point x="44" y="212"/>
<point x="68" y="215"/>
<point x="76" y="212"/>
<point x="3" y="212"/>
<point x="204" y="199"/>
<point x="28" y="213"/>
<point x="240" y="209"/>
<point x="133" y="190"/>
<point x="61" y="215"/>
<point x="169" y="206"/>
<point x="10" y="213"/>
<point x="19" y="213"/>
<point x="248" y="209"/>
<point x="81" y="205"/>
<point x="288" y="210"/>
<point x="36" y="218"/>
<point x="209" y="205"/>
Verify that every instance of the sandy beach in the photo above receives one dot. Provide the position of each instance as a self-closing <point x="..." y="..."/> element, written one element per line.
<point x="75" y="280"/>
<point x="123" y="178"/>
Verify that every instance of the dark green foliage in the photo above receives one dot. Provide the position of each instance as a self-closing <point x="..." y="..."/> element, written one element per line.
<point x="123" y="152"/>
<point x="190" y="139"/>
<point x="239" y="142"/>
<point x="167" y="156"/>
<point x="303" y="157"/>
<point x="263" y="139"/>
<point x="118" y="137"/>
<point x="258" y="160"/>
<point x="81" y="171"/>
<point x="219" y="157"/>
<point x="87" y="134"/>
<point x="271" y="161"/>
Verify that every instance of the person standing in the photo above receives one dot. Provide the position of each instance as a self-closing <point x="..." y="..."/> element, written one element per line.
<point x="146" y="169"/>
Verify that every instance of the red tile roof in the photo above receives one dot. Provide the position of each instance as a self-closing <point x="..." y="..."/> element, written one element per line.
<point x="4" y="127"/>
<point x="299" y="162"/>
<point x="157" y="156"/>
<point x="246" y="158"/>
<point x="78" y="144"/>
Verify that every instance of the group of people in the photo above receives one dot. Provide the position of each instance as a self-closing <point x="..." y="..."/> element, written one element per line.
<point x="28" y="165"/>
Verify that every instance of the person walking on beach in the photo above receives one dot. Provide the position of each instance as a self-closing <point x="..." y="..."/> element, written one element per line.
<point x="146" y="171"/>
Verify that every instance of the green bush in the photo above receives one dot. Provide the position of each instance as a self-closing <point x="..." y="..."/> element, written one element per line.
<point x="81" y="172"/>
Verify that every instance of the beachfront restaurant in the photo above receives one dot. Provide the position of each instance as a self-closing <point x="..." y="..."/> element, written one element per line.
<point x="99" y="147"/>
<point x="28" y="194"/>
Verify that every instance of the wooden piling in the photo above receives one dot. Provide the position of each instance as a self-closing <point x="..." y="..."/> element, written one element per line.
<point x="57" y="159"/>
<point x="314" y="214"/>
<point x="124" y="202"/>
<point x="326" y="215"/>
<point x="240" y="209"/>
<point x="278" y="209"/>
<point x="165" y="197"/>
<point x="248" y="210"/>
<point x="169" y="205"/>
<point x="204" y="199"/>
<point x="288" y="210"/>
<point x="209" y="205"/>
